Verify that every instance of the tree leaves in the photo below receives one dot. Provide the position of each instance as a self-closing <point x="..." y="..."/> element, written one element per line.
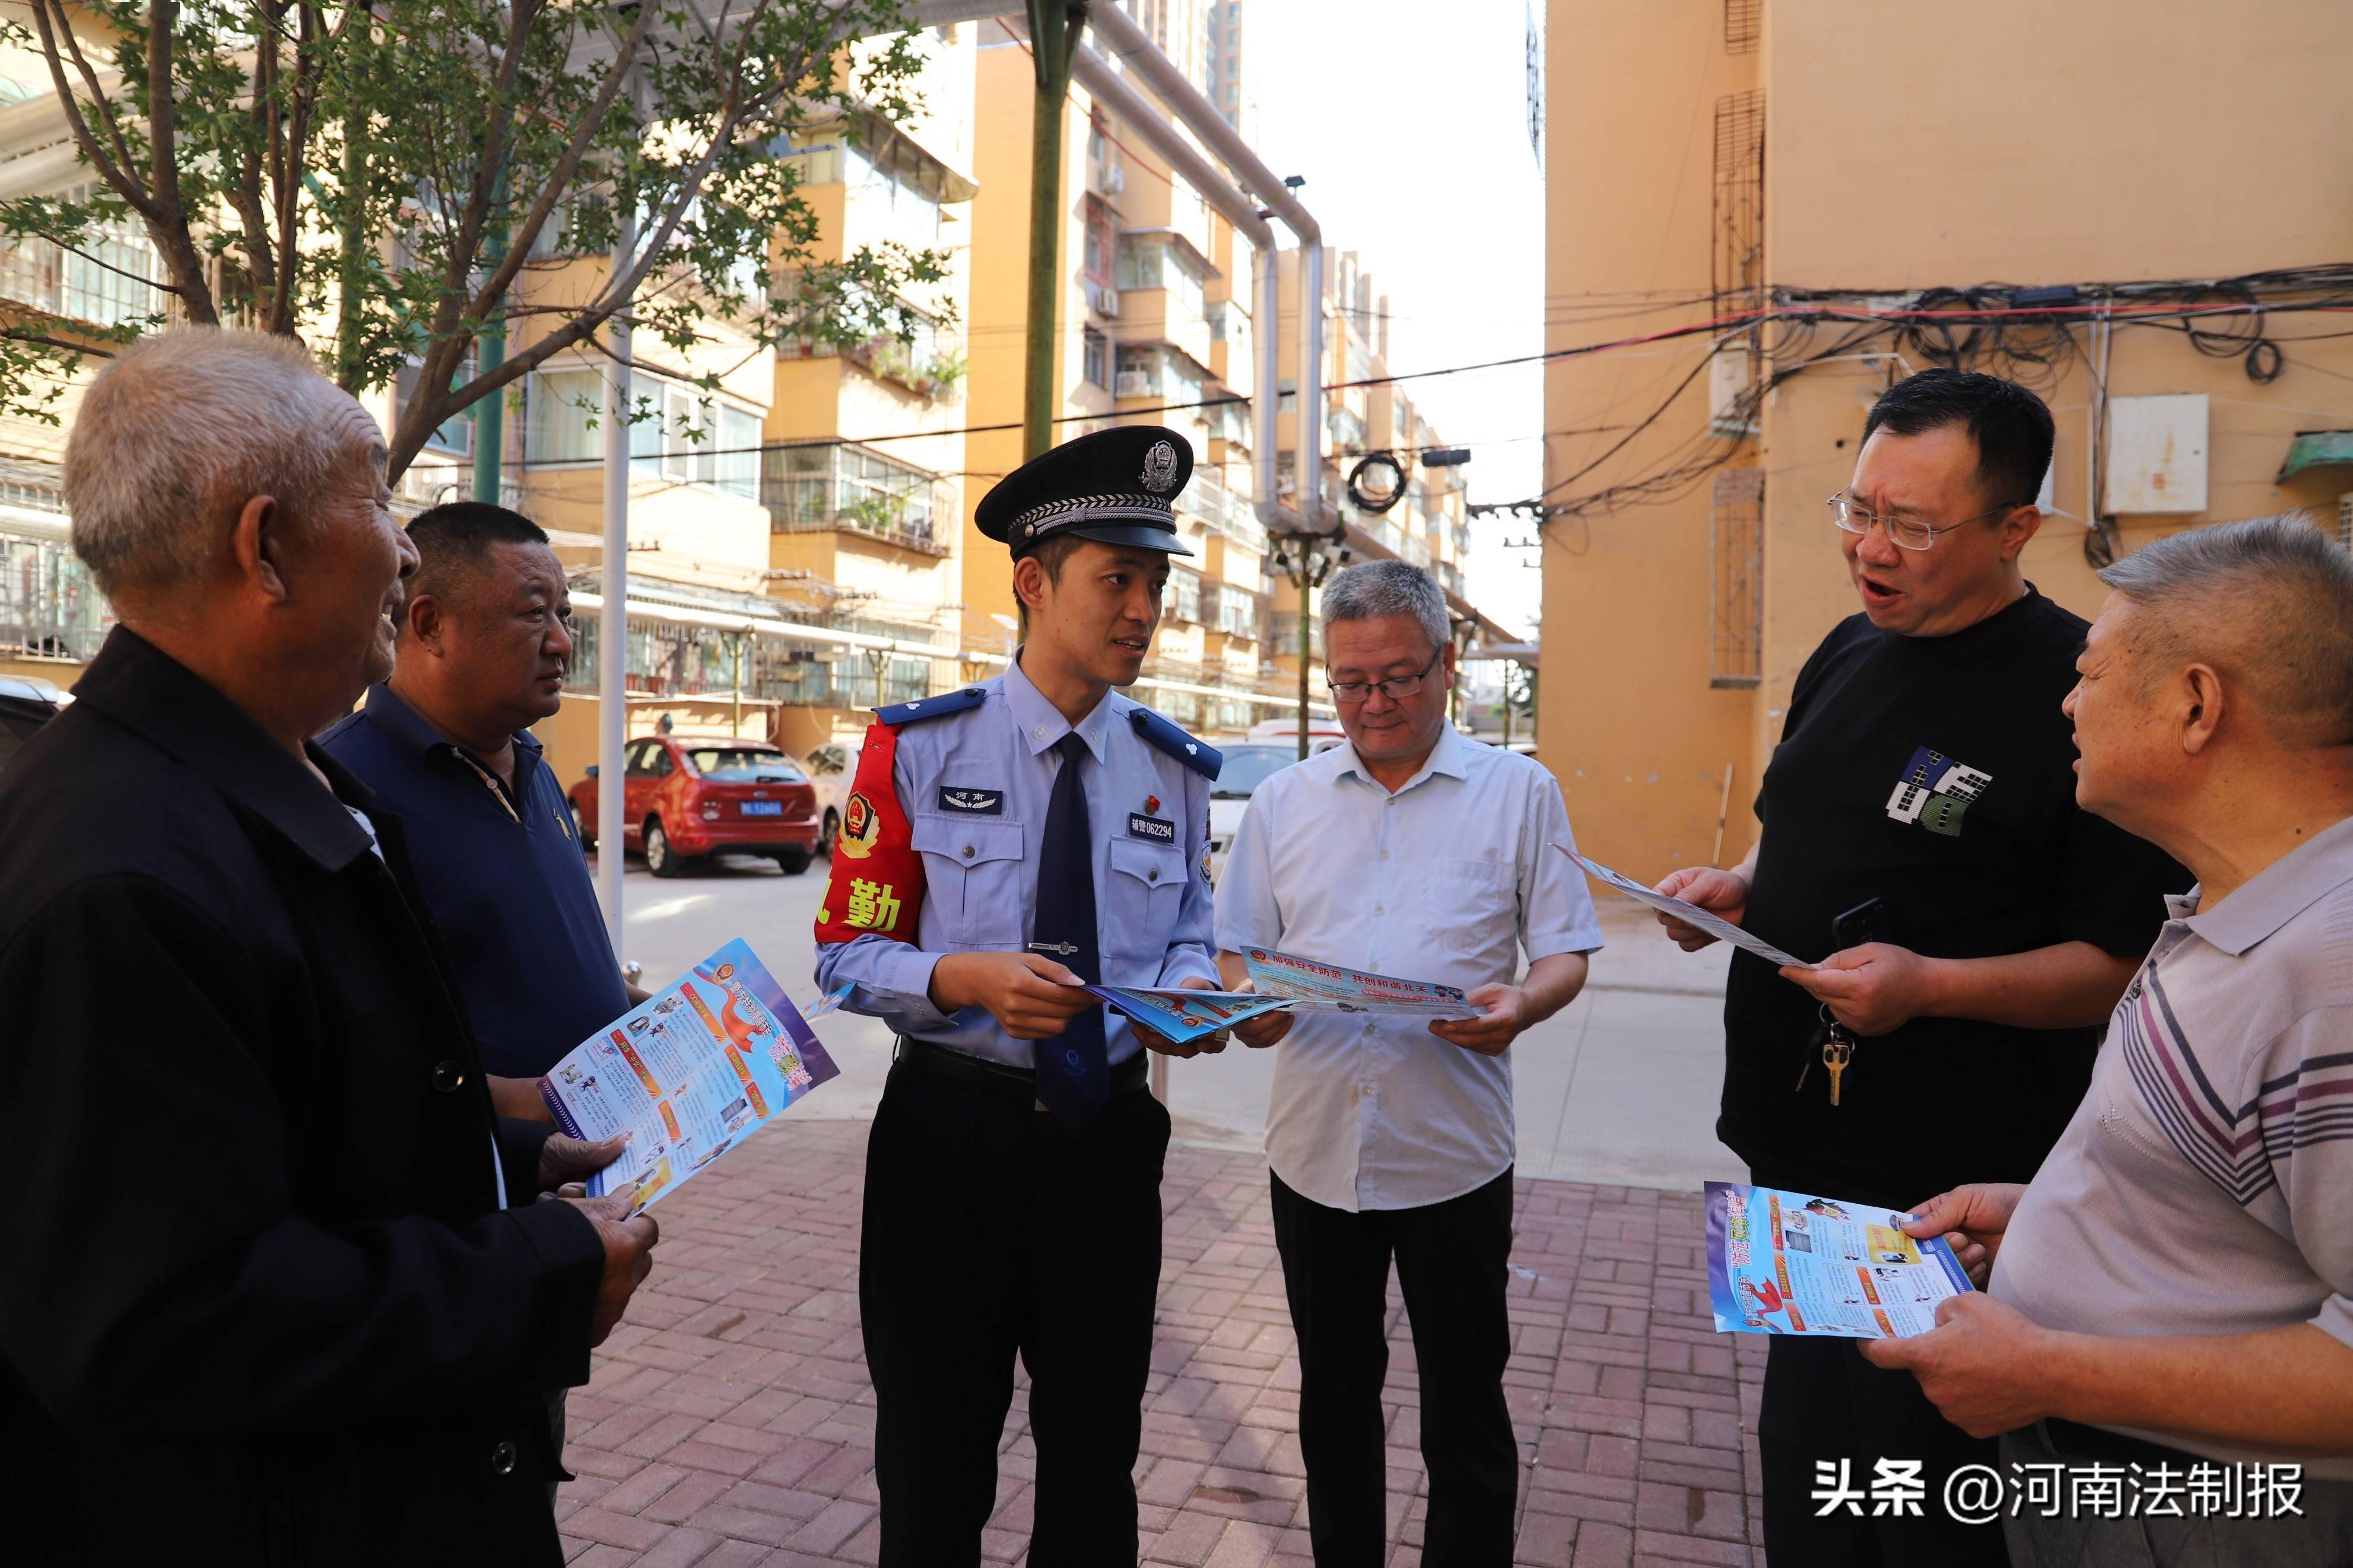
<point x="385" y="181"/>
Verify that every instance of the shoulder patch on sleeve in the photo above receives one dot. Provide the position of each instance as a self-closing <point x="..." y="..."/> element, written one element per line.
<point x="930" y="707"/>
<point x="1198" y="755"/>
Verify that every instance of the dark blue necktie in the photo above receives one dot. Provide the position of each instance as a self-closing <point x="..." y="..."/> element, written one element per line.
<point x="1073" y="1078"/>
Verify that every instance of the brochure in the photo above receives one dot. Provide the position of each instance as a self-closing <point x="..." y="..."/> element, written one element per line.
<point x="1183" y="1015"/>
<point x="1284" y="981"/>
<point x="1327" y="987"/>
<point x="1785" y="1263"/>
<point x="1691" y="914"/>
<point x="688" y="1073"/>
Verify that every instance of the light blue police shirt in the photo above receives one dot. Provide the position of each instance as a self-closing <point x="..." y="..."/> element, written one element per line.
<point x="1149" y="814"/>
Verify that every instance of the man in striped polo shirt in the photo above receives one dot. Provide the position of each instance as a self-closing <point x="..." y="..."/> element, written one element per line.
<point x="2171" y="1299"/>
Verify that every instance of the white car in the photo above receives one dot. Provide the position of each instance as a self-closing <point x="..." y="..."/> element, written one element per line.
<point x="830" y="768"/>
<point x="1248" y="766"/>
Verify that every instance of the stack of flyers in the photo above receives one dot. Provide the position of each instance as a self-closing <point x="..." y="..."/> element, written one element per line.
<point x="1284" y="981"/>
<point x="687" y="1073"/>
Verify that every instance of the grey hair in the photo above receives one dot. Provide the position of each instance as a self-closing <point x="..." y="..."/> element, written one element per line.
<point x="174" y="437"/>
<point x="1373" y="588"/>
<point x="2268" y="602"/>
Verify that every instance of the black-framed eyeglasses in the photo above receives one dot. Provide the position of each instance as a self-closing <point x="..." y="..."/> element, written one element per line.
<point x="1397" y="686"/>
<point x="1906" y="533"/>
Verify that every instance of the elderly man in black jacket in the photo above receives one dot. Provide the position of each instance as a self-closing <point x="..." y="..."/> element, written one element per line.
<point x="279" y="1286"/>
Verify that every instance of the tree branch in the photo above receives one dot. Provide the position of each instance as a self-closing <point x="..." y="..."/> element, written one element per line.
<point x="111" y="169"/>
<point x="559" y="178"/>
<point x="168" y="224"/>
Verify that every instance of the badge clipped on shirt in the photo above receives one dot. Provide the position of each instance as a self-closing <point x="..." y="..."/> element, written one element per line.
<point x="972" y="802"/>
<point x="1156" y="829"/>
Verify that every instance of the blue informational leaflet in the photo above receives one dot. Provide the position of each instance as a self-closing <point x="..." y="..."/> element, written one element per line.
<point x="688" y="1073"/>
<point x="1787" y="1263"/>
<point x="1183" y="1016"/>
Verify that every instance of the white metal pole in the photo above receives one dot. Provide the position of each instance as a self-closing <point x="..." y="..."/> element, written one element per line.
<point x="613" y="617"/>
<point x="1310" y="433"/>
<point x="1265" y="312"/>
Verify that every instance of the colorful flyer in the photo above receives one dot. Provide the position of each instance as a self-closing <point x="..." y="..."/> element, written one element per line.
<point x="1312" y="986"/>
<point x="1783" y="1263"/>
<point x="688" y="1073"/>
<point x="1183" y="1015"/>
<point x="1690" y="914"/>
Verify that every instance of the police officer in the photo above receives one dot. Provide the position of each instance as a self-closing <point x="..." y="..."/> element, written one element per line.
<point x="1002" y="845"/>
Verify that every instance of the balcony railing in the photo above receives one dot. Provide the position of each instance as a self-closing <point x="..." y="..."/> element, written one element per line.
<point x="825" y="487"/>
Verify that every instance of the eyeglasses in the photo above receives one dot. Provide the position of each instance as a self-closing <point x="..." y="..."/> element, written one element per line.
<point x="1397" y="686"/>
<point x="1909" y="532"/>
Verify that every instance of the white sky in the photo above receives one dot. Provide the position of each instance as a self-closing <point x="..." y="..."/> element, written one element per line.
<point x="1410" y="122"/>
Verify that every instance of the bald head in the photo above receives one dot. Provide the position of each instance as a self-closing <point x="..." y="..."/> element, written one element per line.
<point x="178" y="433"/>
<point x="2268" y="604"/>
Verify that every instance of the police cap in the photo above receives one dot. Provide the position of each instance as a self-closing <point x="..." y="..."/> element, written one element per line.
<point x="1117" y="487"/>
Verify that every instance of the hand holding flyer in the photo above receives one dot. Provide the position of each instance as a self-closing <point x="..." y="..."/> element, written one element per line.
<point x="687" y="1073"/>
<point x="1689" y="913"/>
<point x="1785" y="1263"/>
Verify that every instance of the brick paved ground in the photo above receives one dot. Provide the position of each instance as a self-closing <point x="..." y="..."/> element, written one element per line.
<point x="730" y="1422"/>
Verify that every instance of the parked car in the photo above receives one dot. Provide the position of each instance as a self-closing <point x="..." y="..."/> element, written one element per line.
<point x="831" y="768"/>
<point x="690" y="796"/>
<point x="1248" y="766"/>
<point x="1323" y="733"/>
<point x="24" y="706"/>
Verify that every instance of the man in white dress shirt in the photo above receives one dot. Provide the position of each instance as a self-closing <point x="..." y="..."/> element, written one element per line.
<point x="1412" y="850"/>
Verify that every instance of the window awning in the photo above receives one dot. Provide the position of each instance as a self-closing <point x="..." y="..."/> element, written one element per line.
<point x="2317" y="449"/>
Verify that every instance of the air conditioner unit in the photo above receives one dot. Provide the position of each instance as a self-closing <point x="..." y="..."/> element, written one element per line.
<point x="1102" y="301"/>
<point x="1114" y="179"/>
<point x="1132" y="384"/>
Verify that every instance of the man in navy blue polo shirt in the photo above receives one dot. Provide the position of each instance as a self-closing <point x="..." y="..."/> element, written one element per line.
<point x="483" y="649"/>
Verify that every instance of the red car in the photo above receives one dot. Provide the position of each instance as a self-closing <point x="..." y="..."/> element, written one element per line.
<point x="692" y="795"/>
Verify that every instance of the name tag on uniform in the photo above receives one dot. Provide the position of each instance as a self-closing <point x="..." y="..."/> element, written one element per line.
<point x="972" y="802"/>
<point x="1159" y="829"/>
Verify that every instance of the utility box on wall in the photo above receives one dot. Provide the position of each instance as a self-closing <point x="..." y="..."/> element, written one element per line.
<point x="2156" y="454"/>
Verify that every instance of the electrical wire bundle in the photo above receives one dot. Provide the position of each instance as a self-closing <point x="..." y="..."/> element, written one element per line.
<point x="2023" y="333"/>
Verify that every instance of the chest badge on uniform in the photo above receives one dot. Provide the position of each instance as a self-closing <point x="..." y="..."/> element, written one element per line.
<point x="1150" y="806"/>
<point x="1158" y="829"/>
<point x="1935" y="792"/>
<point x="972" y="802"/>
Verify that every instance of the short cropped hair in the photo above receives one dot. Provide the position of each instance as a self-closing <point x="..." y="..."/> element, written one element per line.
<point x="1372" y="588"/>
<point x="177" y="434"/>
<point x="454" y="540"/>
<point x="2011" y="425"/>
<point x="2268" y="602"/>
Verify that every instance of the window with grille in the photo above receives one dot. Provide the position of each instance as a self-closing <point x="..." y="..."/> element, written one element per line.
<point x="1743" y="20"/>
<point x="1737" y="561"/>
<point x="1738" y="266"/>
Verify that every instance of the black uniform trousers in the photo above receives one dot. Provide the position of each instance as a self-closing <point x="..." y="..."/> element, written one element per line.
<point x="1822" y="1402"/>
<point x="990" y="1229"/>
<point x="1453" y="1262"/>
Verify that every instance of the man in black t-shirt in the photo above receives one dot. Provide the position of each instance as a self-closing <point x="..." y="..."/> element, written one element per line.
<point x="1919" y="818"/>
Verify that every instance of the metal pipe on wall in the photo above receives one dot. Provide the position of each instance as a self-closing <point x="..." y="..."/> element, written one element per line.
<point x="1135" y="48"/>
<point x="613" y="617"/>
<point x="1259" y="186"/>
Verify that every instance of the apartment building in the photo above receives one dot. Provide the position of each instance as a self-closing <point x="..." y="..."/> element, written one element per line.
<point x="1153" y="327"/>
<point x="2052" y="201"/>
<point x="1365" y="414"/>
<point x="1153" y="322"/>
